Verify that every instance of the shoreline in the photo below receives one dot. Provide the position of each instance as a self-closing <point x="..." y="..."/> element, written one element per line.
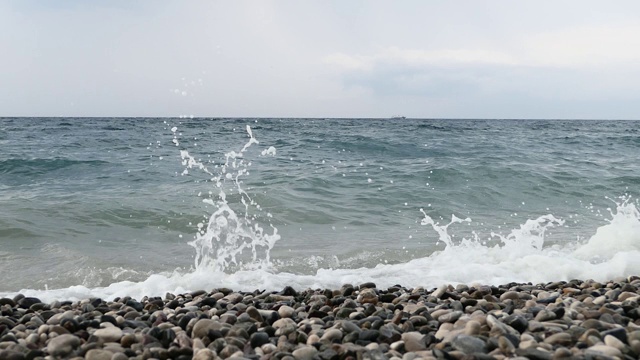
<point x="575" y="319"/>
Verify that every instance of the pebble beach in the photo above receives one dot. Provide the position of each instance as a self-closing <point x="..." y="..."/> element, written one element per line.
<point x="558" y="320"/>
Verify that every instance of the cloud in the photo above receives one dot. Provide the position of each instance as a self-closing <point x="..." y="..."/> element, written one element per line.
<point x="570" y="48"/>
<point x="396" y="57"/>
<point x="595" y="46"/>
<point x="318" y="58"/>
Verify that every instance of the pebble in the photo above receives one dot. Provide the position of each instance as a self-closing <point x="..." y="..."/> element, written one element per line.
<point x="305" y="353"/>
<point x="97" y="354"/>
<point x="604" y="350"/>
<point x="413" y="341"/>
<point x="109" y="334"/>
<point x="63" y="345"/>
<point x="286" y="311"/>
<point x="468" y="344"/>
<point x="559" y="320"/>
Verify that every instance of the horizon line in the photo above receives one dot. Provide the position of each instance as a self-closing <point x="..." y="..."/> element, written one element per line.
<point x="313" y="118"/>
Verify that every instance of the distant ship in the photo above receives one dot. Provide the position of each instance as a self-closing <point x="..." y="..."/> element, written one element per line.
<point x="398" y="117"/>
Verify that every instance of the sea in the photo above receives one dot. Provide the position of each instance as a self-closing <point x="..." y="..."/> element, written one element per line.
<point x="113" y="207"/>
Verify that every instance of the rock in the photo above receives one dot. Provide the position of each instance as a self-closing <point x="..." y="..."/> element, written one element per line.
<point x="440" y="291"/>
<point x="11" y="355"/>
<point x="559" y="339"/>
<point x="513" y="295"/>
<point x="506" y="346"/>
<point x="517" y="322"/>
<point x="204" y="354"/>
<point x="498" y="328"/>
<point x="57" y="318"/>
<point x="367" y="285"/>
<point x="203" y="326"/>
<point x="613" y="341"/>
<point x="468" y="344"/>
<point x="109" y="334"/>
<point x="534" y="354"/>
<point x="254" y="314"/>
<point x="305" y="353"/>
<point x="98" y="354"/>
<point x="545" y="315"/>
<point x="27" y="302"/>
<point x="472" y="328"/>
<point x="369" y="335"/>
<point x="414" y="341"/>
<point x="450" y="317"/>
<point x="619" y="333"/>
<point x="603" y="350"/>
<point x="367" y="296"/>
<point x="286" y="311"/>
<point x="348" y="326"/>
<point x="119" y="356"/>
<point x="331" y="335"/>
<point x="7" y="301"/>
<point x="63" y="345"/>
<point x="258" y="339"/>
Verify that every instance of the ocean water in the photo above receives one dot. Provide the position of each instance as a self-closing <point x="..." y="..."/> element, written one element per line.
<point x="142" y="206"/>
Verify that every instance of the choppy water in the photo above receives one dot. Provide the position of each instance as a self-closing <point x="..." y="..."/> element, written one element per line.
<point x="108" y="207"/>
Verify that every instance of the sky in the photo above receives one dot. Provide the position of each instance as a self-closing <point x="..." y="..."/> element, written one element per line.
<point x="420" y="59"/>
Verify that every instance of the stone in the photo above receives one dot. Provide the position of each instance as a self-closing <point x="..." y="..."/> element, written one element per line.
<point x="305" y="353"/>
<point x="517" y="322"/>
<point x="203" y="326"/>
<point x="472" y="328"/>
<point x="450" y="317"/>
<point x="258" y="339"/>
<point x="109" y="334"/>
<point x="614" y="342"/>
<point x="331" y="335"/>
<point x="534" y="354"/>
<point x="619" y="333"/>
<point x="545" y="315"/>
<point x="286" y="311"/>
<point x="603" y="350"/>
<point x="254" y="314"/>
<point x="63" y="345"/>
<point x="369" y="335"/>
<point x="98" y="354"/>
<point x="204" y="354"/>
<point x="559" y="339"/>
<point x="11" y="355"/>
<point x="367" y="296"/>
<point x="506" y="346"/>
<point x="27" y="302"/>
<point x="513" y="295"/>
<point x="414" y="341"/>
<point x="119" y="356"/>
<point x="468" y="344"/>
<point x="440" y="291"/>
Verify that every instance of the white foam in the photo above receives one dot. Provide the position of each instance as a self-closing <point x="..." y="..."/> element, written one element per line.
<point x="521" y="257"/>
<point x="270" y="151"/>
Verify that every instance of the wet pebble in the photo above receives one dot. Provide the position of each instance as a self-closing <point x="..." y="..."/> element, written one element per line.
<point x="559" y="320"/>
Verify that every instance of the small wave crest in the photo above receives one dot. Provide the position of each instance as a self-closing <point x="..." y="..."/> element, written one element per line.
<point x="34" y="167"/>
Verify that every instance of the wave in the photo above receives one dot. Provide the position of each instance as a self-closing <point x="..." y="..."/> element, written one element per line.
<point x="31" y="167"/>
<point x="233" y="249"/>
<point x="521" y="256"/>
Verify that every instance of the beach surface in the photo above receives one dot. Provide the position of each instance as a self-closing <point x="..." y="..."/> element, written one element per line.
<point x="557" y="320"/>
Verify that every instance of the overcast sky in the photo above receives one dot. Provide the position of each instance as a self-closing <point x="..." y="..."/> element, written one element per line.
<point x="427" y="59"/>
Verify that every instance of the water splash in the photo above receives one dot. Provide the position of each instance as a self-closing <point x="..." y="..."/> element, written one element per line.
<point x="442" y="230"/>
<point x="531" y="234"/>
<point x="621" y="234"/>
<point x="220" y="244"/>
